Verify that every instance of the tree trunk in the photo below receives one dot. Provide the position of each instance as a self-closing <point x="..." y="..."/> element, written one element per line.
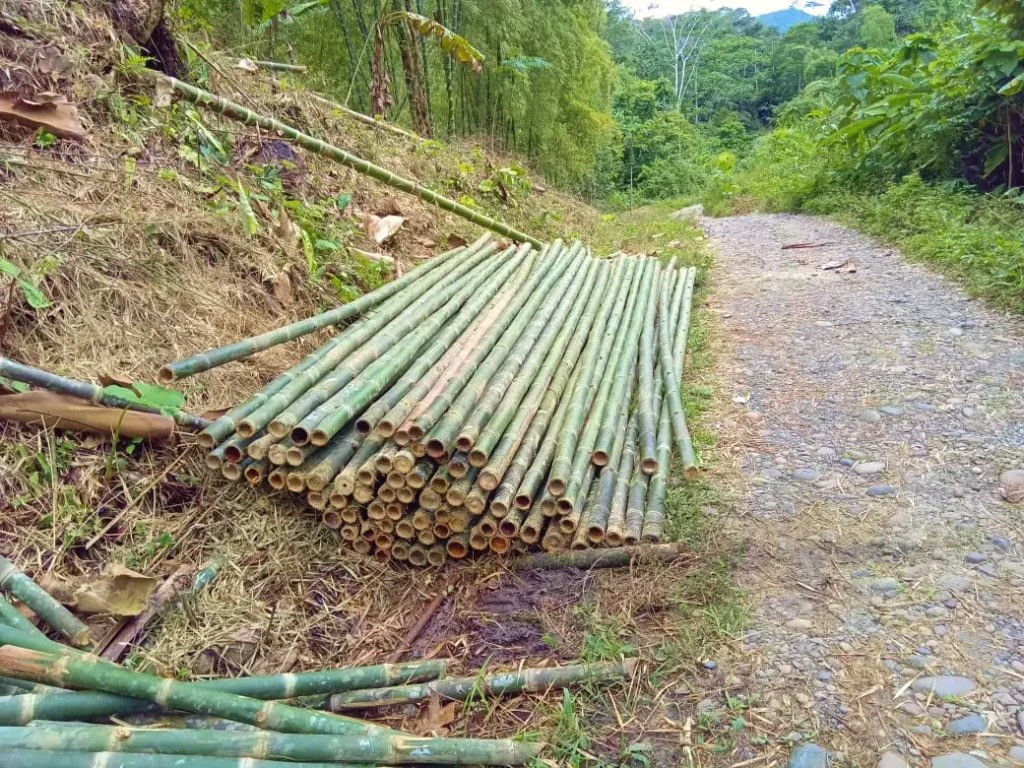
<point x="418" y="106"/>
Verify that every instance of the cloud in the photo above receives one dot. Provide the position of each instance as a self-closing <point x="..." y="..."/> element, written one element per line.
<point x="753" y="7"/>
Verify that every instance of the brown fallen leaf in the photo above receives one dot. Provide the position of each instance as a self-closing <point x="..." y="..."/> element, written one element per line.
<point x="281" y="284"/>
<point x="117" y="590"/>
<point x="45" y="110"/>
<point x="435" y="719"/>
<point x="383" y="228"/>
<point x="215" y="413"/>
<point x="849" y="267"/>
<point x="247" y="65"/>
<point x="118" y="379"/>
<point x="457" y="241"/>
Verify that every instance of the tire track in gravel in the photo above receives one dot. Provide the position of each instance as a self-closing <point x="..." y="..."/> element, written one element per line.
<point x="872" y="415"/>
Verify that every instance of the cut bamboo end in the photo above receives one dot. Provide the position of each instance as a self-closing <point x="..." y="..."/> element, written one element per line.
<point x="350" y="514"/>
<point x="426" y="538"/>
<point x="437" y="555"/>
<point x="332" y="519"/>
<point x="523" y="501"/>
<point x="279" y="429"/>
<point x="478" y="458"/>
<point x="442" y="531"/>
<point x="567" y="525"/>
<point x="564" y="505"/>
<point x="319" y="438"/>
<point x="349" y="532"/>
<point x="231" y="472"/>
<point x="500" y="545"/>
<point x="415" y="432"/>
<point x="463" y="443"/>
<point x="316" y="500"/>
<point x="400" y="436"/>
<point x="165" y="375"/>
<point x="457" y="547"/>
<point x="417" y="555"/>
<point x="435" y="448"/>
<point x="400" y="551"/>
<point x="556" y="486"/>
<point x="595" y="534"/>
<point x="254" y="473"/>
<point x="691" y="473"/>
<point x="213" y="462"/>
<point x="394" y="511"/>
<point x="648" y="466"/>
<point x="404" y="461"/>
<point x="395" y="479"/>
<point x="247" y="429"/>
<point x="404" y="529"/>
<point x="419" y="450"/>
<point x="277" y="479"/>
<point x="488" y="479"/>
<point x="300" y="436"/>
<point x="362" y="546"/>
<point x="376" y="510"/>
<point x="294" y="456"/>
<point x="382" y="555"/>
<point x="296" y="483"/>
<point x="600" y="458"/>
<point x="406" y="495"/>
<point x="233" y="454"/>
<point x="206" y="441"/>
<point x="508" y="528"/>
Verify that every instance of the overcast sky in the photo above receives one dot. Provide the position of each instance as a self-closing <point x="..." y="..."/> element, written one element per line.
<point x="754" y="7"/>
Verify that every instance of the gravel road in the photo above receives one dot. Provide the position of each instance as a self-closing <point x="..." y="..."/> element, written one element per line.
<point x="875" y="413"/>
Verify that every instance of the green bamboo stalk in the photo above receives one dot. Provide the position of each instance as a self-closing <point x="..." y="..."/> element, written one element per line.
<point x="654" y="515"/>
<point x="618" y="557"/>
<point x="228" y="423"/>
<point x="582" y="398"/>
<point x="588" y="437"/>
<point x="599" y="514"/>
<point x="218" y="356"/>
<point x="447" y="323"/>
<point x="495" y="447"/>
<point x="39" y="758"/>
<point x="85" y="390"/>
<point x="671" y="373"/>
<point x="388" y="413"/>
<point x="614" y="420"/>
<point x="368" y="341"/>
<point x="488" y="685"/>
<point x="569" y="521"/>
<point x="12" y="617"/>
<point x="548" y="264"/>
<point x="682" y="327"/>
<point x="328" y="461"/>
<point x="80" y="671"/>
<point x="522" y="358"/>
<point x="532" y="528"/>
<point x="514" y="453"/>
<point x="579" y="538"/>
<point x="647" y="414"/>
<point x="382" y="749"/>
<point x="51" y="612"/>
<point x="615" y="530"/>
<point x="345" y="481"/>
<point x="312" y="144"/>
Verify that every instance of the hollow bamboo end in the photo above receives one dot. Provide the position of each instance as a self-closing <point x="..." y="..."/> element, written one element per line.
<point x="556" y="487"/>
<point x="213" y="462"/>
<point x="165" y="375"/>
<point x="435" y="448"/>
<point x="648" y="466"/>
<point x="523" y="501"/>
<point x="564" y="505"/>
<point x="206" y="441"/>
<point x="363" y="427"/>
<point x="382" y="555"/>
<point x="600" y="458"/>
<point x="316" y="500"/>
<point x="454" y="497"/>
<point x="316" y="483"/>
<point x="406" y="495"/>
<point x="415" y="432"/>
<point x="319" y="438"/>
<point x="362" y="546"/>
<point x="691" y="473"/>
<point x="400" y="436"/>
<point x="631" y="540"/>
<point x="488" y="478"/>
<point x="507" y="528"/>
<point x="613" y="538"/>
<point x="488" y="528"/>
<point x="499" y="545"/>
<point x="529" y="534"/>
<point x="478" y="541"/>
<point x="566" y="525"/>
<point x="595" y="534"/>
<point x="442" y="531"/>
<point x="231" y="472"/>
<point x="254" y="475"/>
<point x="417" y="556"/>
<point x="295" y="483"/>
<point x="278" y="429"/>
<point x="247" y="429"/>
<point x="293" y="457"/>
<point x="332" y="519"/>
<point x="276" y="480"/>
<point x="499" y="508"/>
<point x="349" y="532"/>
<point x="456" y="549"/>
<point x="464" y="442"/>
<point x="437" y="557"/>
<point x="579" y="544"/>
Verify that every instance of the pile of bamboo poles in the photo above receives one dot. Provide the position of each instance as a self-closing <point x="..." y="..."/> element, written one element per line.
<point x="50" y="690"/>
<point x="489" y="400"/>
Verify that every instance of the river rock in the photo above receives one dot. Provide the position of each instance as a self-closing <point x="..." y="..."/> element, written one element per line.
<point x="806" y="473"/>
<point x="892" y="760"/>
<point x="799" y="624"/>
<point x="869" y="467"/>
<point x="809" y="756"/>
<point x="944" y="685"/>
<point x="881" y="490"/>
<point x="972" y="723"/>
<point x="957" y="760"/>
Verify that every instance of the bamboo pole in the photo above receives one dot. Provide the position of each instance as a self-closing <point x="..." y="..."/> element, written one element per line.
<point x="487" y="685"/>
<point x="238" y="112"/>
<point x="617" y="557"/>
<point x="55" y="615"/>
<point x="85" y="390"/>
<point x="267" y="746"/>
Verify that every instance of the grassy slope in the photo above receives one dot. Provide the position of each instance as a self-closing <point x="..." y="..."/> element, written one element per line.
<point x="169" y="257"/>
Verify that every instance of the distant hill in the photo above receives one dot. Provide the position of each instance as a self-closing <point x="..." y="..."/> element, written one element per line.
<point x="784" y="19"/>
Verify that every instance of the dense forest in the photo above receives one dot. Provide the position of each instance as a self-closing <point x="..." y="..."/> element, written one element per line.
<point x="709" y="105"/>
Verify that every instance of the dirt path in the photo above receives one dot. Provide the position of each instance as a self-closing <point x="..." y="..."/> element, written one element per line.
<point x="872" y="415"/>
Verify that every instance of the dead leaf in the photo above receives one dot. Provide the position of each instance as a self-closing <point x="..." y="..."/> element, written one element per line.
<point x="247" y="65"/>
<point x="118" y="591"/>
<point x="281" y="284"/>
<point x="51" y="61"/>
<point x="215" y="413"/>
<point x="383" y="228"/>
<point x="389" y="206"/>
<point x="436" y="718"/>
<point x="57" y="411"/>
<point x="286" y="230"/>
<point x="46" y="110"/>
<point x="118" y="379"/>
<point x="849" y="267"/>
<point x="457" y="241"/>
